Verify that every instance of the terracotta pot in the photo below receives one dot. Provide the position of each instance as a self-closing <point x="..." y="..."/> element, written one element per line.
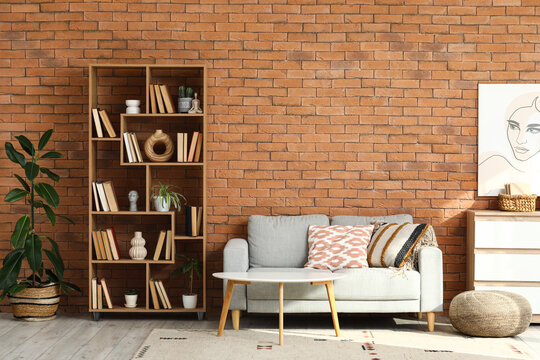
<point x="36" y="304"/>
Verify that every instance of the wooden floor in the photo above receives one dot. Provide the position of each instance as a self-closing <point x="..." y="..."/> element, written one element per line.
<point x="117" y="337"/>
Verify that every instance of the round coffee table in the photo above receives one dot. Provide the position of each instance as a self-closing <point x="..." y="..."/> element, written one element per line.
<point x="244" y="278"/>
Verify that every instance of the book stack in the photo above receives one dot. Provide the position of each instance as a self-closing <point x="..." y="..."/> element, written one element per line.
<point x="133" y="151"/>
<point x="161" y="100"/>
<point x="193" y="220"/>
<point x="101" y="120"/>
<point x="165" y="237"/>
<point x="105" y="244"/>
<point x="195" y="146"/>
<point x="104" y="196"/>
<point x="100" y="290"/>
<point x="160" y="299"/>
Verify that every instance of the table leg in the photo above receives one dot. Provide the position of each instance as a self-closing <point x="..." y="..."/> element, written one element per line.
<point x="225" y="309"/>
<point x="332" y="300"/>
<point x="280" y="313"/>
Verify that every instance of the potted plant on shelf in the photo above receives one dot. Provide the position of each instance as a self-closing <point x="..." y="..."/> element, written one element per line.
<point x="164" y="198"/>
<point x="192" y="267"/>
<point x="185" y="95"/>
<point x="34" y="298"/>
<point x="131" y="298"/>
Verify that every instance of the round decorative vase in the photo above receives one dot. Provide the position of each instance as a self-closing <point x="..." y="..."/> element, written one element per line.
<point x="137" y="251"/>
<point x="36" y="304"/>
<point x="184" y="104"/>
<point x="189" y="301"/>
<point x="133" y="106"/>
<point x="162" y="205"/>
<point x="131" y="300"/>
<point x="159" y="137"/>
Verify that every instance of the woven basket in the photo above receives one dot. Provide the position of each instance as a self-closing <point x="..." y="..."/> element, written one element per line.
<point x="522" y="203"/>
<point x="36" y="304"/>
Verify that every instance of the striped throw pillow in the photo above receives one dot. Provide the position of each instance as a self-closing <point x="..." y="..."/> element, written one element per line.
<point x="392" y="244"/>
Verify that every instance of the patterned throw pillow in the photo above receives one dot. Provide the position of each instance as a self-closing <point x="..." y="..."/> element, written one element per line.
<point x="393" y="244"/>
<point x="337" y="247"/>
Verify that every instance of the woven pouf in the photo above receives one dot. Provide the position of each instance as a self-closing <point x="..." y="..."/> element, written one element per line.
<point x="490" y="313"/>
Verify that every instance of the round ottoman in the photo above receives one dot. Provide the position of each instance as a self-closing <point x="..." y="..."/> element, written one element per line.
<point x="490" y="313"/>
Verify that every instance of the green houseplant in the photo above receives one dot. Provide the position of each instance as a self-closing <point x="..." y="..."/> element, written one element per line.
<point x="192" y="267"/>
<point x="185" y="95"/>
<point x="163" y="198"/>
<point x="131" y="298"/>
<point x="27" y="245"/>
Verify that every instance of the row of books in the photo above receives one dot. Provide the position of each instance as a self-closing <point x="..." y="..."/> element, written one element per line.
<point x="104" y="196"/>
<point x="161" y="100"/>
<point x="165" y="237"/>
<point x="101" y="120"/>
<point x="193" y="220"/>
<point x="105" y="244"/>
<point x="133" y="151"/>
<point x="194" y="153"/>
<point x="160" y="299"/>
<point x="100" y="290"/>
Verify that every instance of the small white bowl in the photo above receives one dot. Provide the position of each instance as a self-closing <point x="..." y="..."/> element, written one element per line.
<point x="133" y="102"/>
<point x="133" y="110"/>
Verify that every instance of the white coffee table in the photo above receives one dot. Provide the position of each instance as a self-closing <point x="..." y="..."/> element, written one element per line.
<point x="314" y="278"/>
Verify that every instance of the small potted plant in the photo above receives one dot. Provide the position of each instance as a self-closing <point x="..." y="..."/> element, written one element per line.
<point x="185" y="95"/>
<point x="164" y="198"/>
<point x="192" y="267"/>
<point x="131" y="298"/>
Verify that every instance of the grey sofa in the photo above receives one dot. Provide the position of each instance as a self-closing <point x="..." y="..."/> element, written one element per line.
<point x="279" y="243"/>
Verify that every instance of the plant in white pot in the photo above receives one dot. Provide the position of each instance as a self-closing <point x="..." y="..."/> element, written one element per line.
<point x="131" y="298"/>
<point x="192" y="267"/>
<point x="185" y="96"/>
<point x="165" y="197"/>
<point x="34" y="298"/>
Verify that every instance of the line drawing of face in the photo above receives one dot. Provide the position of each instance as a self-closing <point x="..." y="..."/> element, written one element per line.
<point x="523" y="131"/>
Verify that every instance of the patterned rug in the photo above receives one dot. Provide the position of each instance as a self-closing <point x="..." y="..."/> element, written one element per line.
<point x="164" y="344"/>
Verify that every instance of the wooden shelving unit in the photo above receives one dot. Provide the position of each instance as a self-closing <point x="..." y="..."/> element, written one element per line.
<point x="114" y="151"/>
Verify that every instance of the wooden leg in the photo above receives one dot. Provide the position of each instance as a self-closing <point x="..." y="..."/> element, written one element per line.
<point x="225" y="309"/>
<point x="332" y="300"/>
<point x="280" y="313"/>
<point x="430" y="321"/>
<point x="419" y="316"/>
<point x="235" y="314"/>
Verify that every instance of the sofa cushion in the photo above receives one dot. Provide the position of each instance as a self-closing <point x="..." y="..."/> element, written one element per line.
<point x="280" y="241"/>
<point x="366" y="220"/>
<point x="295" y="291"/>
<point x="377" y="284"/>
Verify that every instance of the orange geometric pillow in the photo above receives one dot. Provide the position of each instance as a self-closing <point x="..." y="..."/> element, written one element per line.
<point x="338" y="247"/>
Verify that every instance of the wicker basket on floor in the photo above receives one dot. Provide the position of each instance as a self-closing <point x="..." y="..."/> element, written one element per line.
<point x="522" y="203"/>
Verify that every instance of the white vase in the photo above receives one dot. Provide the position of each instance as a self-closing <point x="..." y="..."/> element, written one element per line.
<point x="131" y="300"/>
<point x="133" y="106"/>
<point x="161" y="205"/>
<point x="189" y="301"/>
<point x="137" y="251"/>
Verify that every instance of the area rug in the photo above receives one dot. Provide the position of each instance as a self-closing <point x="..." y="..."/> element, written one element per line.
<point x="164" y="344"/>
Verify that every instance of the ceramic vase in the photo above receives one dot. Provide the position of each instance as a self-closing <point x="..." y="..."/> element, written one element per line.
<point x="189" y="301"/>
<point x="184" y="104"/>
<point x="131" y="300"/>
<point x="137" y="251"/>
<point x="161" y="204"/>
<point x="133" y="106"/>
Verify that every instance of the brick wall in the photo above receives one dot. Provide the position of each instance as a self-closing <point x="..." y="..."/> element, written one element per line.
<point x="334" y="107"/>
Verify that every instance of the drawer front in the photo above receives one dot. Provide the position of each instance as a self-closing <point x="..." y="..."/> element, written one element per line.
<point x="506" y="267"/>
<point x="530" y="293"/>
<point x="507" y="234"/>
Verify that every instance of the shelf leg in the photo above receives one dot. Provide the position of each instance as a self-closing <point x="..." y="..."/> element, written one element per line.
<point x="96" y="316"/>
<point x="201" y="315"/>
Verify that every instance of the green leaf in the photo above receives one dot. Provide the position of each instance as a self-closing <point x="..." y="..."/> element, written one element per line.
<point x="66" y="218"/>
<point x="15" y="195"/>
<point x="67" y="285"/>
<point x="56" y="258"/>
<point x="51" y="155"/>
<point x="14" y="155"/>
<point x="177" y="272"/>
<point x="33" y="253"/>
<point x="37" y="204"/>
<point x="44" y="139"/>
<point x="21" y="232"/>
<point x="26" y="144"/>
<point x="10" y="271"/>
<point x="50" y="214"/>
<point x="48" y="193"/>
<point x="23" y="182"/>
<point x="50" y="174"/>
<point x="16" y="289"/>
<point x="51" y="275"/>
<point x="31" y="170"/>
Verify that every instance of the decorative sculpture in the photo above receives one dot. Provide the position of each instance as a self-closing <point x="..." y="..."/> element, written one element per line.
<point x="159" y="137"/>
<point x="195" y="106"/>
<point x="133" y="196"/>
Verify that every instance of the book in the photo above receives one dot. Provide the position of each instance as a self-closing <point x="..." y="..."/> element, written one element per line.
<point x="167" y="301"/>
<point x="184" y="152"/>
<point x="106" y="244"/>
<point x="101" y="245"/>
<point x="159" y="246"/>
<point x="128" y="147"/>
<point x="161" y="297"/>
<point x="199" y="220"/>
<point x="96" y="196"/>
<point x="99" y="296"/>
<point x="193" y="221"/>
<point x="94" y="293"/>
<point x="520" y="188"/>
<point x="106" y="293"/>
<point x="197" y="157"/>
<point x="111" y="196"/>
<point x="153" y="105"/>
<point x="95" y="242"/>
<point x="179" y="147"/>
<point x="167" y="99"/>
<point x="153" y="293"/>
<point x="159" y="100"/>
<point x="136" y="147"/>
<point x="168" y="244"/>
<point x="102" y="197"/>
<point x="97" y="123"/>
<point x="107" y="122"/>
<point x="111" y="235"/>
<point x="193" y="146"/>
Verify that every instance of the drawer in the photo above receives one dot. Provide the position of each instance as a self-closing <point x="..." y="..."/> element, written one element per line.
<point x="507" y="234"/>
<point x="530" y="293"/>
<point x="506" y="267"/>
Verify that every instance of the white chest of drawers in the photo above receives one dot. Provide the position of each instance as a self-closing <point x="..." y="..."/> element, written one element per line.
<point x="503" y="253"/>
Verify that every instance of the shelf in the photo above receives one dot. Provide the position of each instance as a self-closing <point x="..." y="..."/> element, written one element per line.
<point x="143" y="66"/>
<point x="129" y="261"/>
<point x="166" y="163"/>
<point x="105" y="139"/>
<point x="184" y="237"/>
<point x="132" y="213"/>
<point x="163" y="115"/>
<point x="142" y="309"/>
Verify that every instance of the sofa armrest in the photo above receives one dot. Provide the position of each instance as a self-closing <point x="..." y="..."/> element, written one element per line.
<point x="431" y="279"/>
<point x="236" y="259"/>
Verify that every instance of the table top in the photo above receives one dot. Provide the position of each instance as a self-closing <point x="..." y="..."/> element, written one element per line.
<point x="279" y="277"/>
